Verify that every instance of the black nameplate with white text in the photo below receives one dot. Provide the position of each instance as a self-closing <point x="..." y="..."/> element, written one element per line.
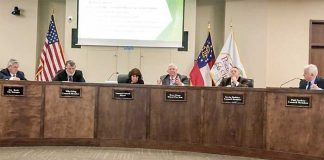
<point x="293" y="101"/>
<point x="175" y="96"/>
<point x="122" y="94"/>
<point x="229" y="98"/>
<point x="13" y="91"/>
<point x="70" y="92"/>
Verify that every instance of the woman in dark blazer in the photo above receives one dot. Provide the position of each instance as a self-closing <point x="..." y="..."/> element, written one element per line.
<point x="135" y="77"/>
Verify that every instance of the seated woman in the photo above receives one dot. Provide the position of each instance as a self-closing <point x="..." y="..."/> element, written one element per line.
<point x="135" y="77"/>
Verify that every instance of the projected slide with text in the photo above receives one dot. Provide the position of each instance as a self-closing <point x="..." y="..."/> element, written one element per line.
<point x="152" y="23"/>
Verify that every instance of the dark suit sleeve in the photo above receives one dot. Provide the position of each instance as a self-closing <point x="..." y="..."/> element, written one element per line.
<point x="4" y="74"/>
<point x="140" y="81"/>
<point x="320" y="83"/>
<point x="243" y="82"/>
<point x="58" y="76"/>
<point x="81" y="78"/>
<point x="185" y="80"/>
<point x="222" y="83"/>
<point x="22" y="75"/>
<point x="302" y="84"/>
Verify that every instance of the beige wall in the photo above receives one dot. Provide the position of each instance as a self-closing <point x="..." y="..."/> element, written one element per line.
<point x="45" y="10"/>
<point x="98" y="63"/>
<point x="19" y="34"/>
<point x="288" y="38"/>
<point x="210" y="12"/>
<point x="248" y="18"/>
<point x="273" y="37"/>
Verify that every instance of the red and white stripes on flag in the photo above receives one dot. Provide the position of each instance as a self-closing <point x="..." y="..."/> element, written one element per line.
<point x="52" y="56"/>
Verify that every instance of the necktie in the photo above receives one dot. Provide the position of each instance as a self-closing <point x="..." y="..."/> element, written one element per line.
<point x="233" y="84"/>
<point x="309" y="84"/>
<point x="70" y="78"/>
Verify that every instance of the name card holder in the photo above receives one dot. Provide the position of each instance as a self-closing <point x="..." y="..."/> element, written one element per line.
<point x="299" y="101"/>
<point x="233" y="98"/>
<point x="179" y="96"/>
<point x="70" y="92"/>
<point x="123" y="94"/>
<point x="16" y="90"/>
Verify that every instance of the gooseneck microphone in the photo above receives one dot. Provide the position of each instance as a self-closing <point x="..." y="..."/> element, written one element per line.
<point x="290" y="81"/>
<point x="114" y="73"/>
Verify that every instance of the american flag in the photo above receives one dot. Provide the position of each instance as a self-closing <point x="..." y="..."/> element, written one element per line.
<point x="52" y="56"/>
<point x="200" y="73"/>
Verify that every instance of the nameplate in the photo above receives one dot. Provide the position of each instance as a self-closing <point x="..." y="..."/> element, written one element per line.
<point x="175" y="96"/>
<point x="122" y="94"/>
<point x="71" y="92"/>
<point x="229" y="98"/>
<point x="296" y="101"/>
<point x="13" y="91"/>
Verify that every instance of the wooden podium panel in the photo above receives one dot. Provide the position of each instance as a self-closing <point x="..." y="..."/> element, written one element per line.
<point x="201" y="119"/>
<point x="123" y="119"/>
<point x="239" y="125"/>
<point x="20" y="115"/>
<point x="294" y="129"/>
<point x="69" y="117"/>
<point x="177" y="122"/>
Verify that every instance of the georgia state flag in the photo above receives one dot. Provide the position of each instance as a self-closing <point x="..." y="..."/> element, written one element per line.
<point x="200" y="73"/>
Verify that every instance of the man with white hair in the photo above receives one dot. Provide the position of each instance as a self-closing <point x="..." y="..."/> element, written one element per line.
<point x="173" y="78"/>
<point x="12" y="72"/>
<point x="311" y="81"/>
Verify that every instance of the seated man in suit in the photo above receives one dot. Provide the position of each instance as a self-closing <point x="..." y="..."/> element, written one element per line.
<point x="11" y="72"/>
<point x="311" y="81"/>
<point x="173" y="78"/>
<point x="69" y="73"/>
<point x="235" y="80"/>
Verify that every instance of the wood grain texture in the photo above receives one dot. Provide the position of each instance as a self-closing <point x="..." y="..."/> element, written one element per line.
<point x="262" y="127"/>
<point x="20" y="116"/>
<point x="233" y="124"/>
<point x="295" y="130"/>
<point x="69" y="117"/>
<point x="122" y="119"/>
<point x="176" y="121"/>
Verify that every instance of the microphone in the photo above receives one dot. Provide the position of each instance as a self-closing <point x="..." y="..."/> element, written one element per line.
<point x="112" y="75"/>
<point x="290" y="81"/>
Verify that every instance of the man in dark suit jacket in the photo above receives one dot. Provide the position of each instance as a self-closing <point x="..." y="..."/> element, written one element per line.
<point x="12" y="72"/>
<point x="173" y="78"/>
<point x="311" y="81"/>
<point x="235" y="80"/>
<point x="69" y="73"/>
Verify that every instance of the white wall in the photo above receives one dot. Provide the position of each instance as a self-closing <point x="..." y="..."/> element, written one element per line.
<point x="19" y="34"/>
<point x="98" y="63"/>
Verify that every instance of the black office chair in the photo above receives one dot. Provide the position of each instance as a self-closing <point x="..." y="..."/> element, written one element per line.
<point x="250" y="83"/>
<point x="122" y="78"/>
